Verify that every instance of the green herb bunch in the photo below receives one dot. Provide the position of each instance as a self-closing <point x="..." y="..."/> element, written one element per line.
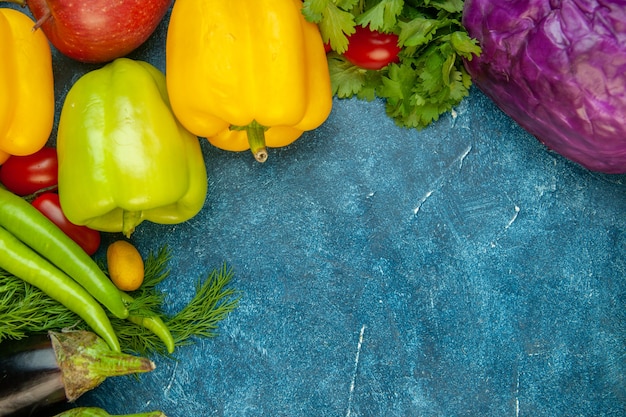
<point x="26" y="310"/>
<point x="429" y="79"/>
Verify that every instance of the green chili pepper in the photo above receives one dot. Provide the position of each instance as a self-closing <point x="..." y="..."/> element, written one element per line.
<point x="27" y="224"/>
<point x="21" y="261"/>
<point x="152" y="323"/>
<point x="156" y="326"/>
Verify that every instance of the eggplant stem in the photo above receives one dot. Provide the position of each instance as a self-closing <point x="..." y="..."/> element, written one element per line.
<point x="86" y="361"/>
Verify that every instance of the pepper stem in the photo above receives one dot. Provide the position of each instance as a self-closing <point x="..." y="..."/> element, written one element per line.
<point x="256" y="139"/>
<point x="130" y="220"/>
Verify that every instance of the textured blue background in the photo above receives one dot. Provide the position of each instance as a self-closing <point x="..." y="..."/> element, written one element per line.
<point x="462" y="270"/>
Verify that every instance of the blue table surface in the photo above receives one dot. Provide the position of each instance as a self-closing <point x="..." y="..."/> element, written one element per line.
<point x="461" y="270"/>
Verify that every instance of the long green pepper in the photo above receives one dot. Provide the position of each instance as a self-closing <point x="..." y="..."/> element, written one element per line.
<point x="152" y="323"/>
<point x="30" y="226"/>
<point x="20" y="260"/>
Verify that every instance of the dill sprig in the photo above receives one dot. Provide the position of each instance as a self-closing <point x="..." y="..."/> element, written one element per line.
<point x="213" y="301"/>
<point x="26" y="310"/>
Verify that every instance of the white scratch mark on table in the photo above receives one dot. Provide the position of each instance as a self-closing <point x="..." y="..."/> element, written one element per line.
<point x="464" y="155"/>
<point x="438" y="182"/>
<point x="171" y="381"/>
<point x="354" y="372"/>
<point x="517" y="209"/>
<point x="422" y="200"/>
<point x="517" y="396"/>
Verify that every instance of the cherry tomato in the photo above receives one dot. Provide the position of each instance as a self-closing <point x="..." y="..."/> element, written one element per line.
<point x="49" y="205"/>
<point x="371" y="49"/>
<point x="24" y="175"/>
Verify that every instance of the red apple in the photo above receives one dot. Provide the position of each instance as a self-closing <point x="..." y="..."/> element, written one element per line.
<point x="97" y="31"/>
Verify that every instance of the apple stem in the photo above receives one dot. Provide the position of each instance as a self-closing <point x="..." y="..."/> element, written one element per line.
<point x="47" y="15"/>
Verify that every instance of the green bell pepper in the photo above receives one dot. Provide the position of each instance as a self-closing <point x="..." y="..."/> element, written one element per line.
<point x="123" y="156"/>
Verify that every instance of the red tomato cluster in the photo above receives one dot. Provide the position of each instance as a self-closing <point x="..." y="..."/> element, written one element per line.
<point x="38" y="174"/>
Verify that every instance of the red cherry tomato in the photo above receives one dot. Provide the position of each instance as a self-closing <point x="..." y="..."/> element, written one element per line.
<point x="24" y="175"/>
<point x="49" y="205"/>
<point x="371" y="49"/>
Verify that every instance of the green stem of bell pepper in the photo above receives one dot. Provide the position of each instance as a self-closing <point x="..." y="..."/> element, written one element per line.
<point x="256" y="139"/>
<point x="130" y="220"/>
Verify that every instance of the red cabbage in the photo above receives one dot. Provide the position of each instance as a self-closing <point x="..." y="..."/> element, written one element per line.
<point x="558" y="68"/>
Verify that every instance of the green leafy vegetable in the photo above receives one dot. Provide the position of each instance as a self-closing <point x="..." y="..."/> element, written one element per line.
<point x="430" y="78"/>
<point x="25" y="310"/>
<point x="382" y="15"/>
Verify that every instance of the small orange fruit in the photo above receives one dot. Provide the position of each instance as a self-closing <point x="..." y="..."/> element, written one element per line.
<point x="126" y="267"/>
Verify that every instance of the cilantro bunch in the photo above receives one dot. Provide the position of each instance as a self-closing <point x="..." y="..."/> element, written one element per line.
<point x="429" y="78"/>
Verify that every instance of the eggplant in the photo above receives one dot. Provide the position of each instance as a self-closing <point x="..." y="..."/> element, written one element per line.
<point x="30" y="378"/>
<point x="42" y="374"/>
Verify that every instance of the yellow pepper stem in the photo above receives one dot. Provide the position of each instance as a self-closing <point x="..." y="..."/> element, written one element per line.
<point x="256" y="139"/>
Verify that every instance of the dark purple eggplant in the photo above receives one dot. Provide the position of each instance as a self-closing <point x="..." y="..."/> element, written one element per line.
<point x="30" y="378"/>
<point x="42" y="374"/>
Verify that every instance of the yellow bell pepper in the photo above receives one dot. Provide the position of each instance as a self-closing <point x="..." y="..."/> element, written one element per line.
<point x="26" y="86"/>
<point x="246" y="74"/>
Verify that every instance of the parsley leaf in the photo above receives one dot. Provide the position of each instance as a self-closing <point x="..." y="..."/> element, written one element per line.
<point x="418" y="31"/>
<point x="464" y="45"/>
<point x="346" y="79"/>
<point x="333" y="19"/>
<point x="382" y="16"/>
<point x="452" y="6"/>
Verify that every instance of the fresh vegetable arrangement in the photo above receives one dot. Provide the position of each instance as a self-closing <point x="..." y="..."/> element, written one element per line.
<point x="421" y="77"/>
<point x="26" y="82"/>
<point x="245" y="75"/>
<point x="559" y="70"/>
<point x="36" y="312"/>
<point x="245" y="82"/>
<point x="146" y="330"/>
<point x="48" y="282"/>
<point x="36" y="250"/>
